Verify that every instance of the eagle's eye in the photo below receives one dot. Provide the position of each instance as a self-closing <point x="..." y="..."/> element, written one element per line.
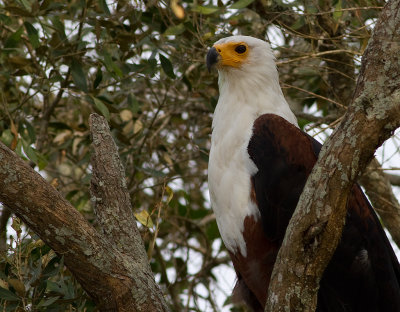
<point x="240" y="49"/>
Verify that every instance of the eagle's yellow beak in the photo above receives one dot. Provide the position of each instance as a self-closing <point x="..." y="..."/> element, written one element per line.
<point x="232" y="54"/>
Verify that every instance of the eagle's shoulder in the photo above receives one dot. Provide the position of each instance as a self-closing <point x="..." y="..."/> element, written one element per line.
<point x="274" y="136"/>
<point x="284" y="156"/>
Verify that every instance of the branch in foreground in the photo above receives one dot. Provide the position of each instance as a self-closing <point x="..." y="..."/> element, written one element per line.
<point x="372" y="117"/>
<point x="112" y="204"/>
<point x="111" y="278"/>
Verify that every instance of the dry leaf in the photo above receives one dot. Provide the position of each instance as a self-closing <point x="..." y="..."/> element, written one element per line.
<point x="144" y="218"/>
<point x="137" y="126"/>
<point x="177" y="9"/>
<point x="62" y="137"/>
<point x="18" y="286"/>
<point x="126" y="115"/>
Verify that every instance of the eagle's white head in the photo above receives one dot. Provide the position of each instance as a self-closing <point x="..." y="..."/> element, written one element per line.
<point x="242" y="54"/>
<point x="248" y="75"/>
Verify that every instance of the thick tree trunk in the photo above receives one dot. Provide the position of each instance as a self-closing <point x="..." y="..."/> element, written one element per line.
<point x="112" y="267"/>
<point x="371" y="118"/>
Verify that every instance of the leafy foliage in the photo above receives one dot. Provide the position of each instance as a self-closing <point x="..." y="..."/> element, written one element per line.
<point x="33" y="276"/>
<point x="141" y="65"/>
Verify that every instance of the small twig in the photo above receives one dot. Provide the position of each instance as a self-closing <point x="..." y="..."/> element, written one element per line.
<point x="153" y="242"/>
<point x="285" y="85"/>
<point x="318" y="54"/>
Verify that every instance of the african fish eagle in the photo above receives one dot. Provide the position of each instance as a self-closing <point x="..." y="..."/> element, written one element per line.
<point x="258" y="165"/>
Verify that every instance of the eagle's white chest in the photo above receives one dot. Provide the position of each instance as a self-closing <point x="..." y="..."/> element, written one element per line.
<point x="243" y="98"/>
<point x="229" y="173"/>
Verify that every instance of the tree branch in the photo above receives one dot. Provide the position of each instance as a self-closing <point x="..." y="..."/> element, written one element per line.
<point x="371" y="118"/>
<point x="109" y="193"/>
<point x="112" y="278"/>
<point x="379" y="190"/>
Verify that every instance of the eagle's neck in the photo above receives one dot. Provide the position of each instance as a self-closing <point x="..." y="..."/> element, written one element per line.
<point x="251" y="94"/>
<point x="242" y="100"/>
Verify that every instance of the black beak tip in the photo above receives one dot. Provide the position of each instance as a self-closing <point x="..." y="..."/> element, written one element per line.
<point x="212" y="58"/>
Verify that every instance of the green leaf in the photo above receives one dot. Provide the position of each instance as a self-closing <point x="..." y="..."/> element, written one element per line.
<point x="45" y="303"/>
<point x="167" y="66"/>
<point x="337" y="14"/>
<point x="135" y="67"/>
<point x="5" y="294"/>
<point x="78" y="75"/>
<point x="212" y="231"/>
<point x="152" y="66"/>
<point x="18" y="11"/>
<point x="299" y="22"/>
<point x="182" y="210"/>
<point x="240" y="4"/>
<point x="186" y="81"/>
<point x="31" y="131"/>
<point x="175" y="30"/>
<point x="29" y="151"/>
<point x="110" y="64"/>
<point x="98" y="79"/>
<point x="154" y="173"/>
<point x="55" y="287"/>
<point x="302" y="122"/>
<point x="59" y="27"/>
<point x="33" y="34"/>
<point x="5" y="19"/>
<point x="205" y="10"/>
<point x="26" y="4"/>
<point x="14" y="39"/>
<point x="42" y="162"/>
<point x="103" y="6"/>
<point x="52" y="268"/>
<point x="311" y="9"/>
<point x="198" y="213"/>
<point x="133" y="103"/>
<point x="18" y="149"/>
<point x="101" y="107"/>
<point x="7" y="137"/>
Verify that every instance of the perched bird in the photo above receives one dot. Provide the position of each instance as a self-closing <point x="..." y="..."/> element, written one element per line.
<point x="258" y="165"/>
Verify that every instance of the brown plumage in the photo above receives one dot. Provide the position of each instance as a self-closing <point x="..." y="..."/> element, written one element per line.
<point x="363" y="274"/>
